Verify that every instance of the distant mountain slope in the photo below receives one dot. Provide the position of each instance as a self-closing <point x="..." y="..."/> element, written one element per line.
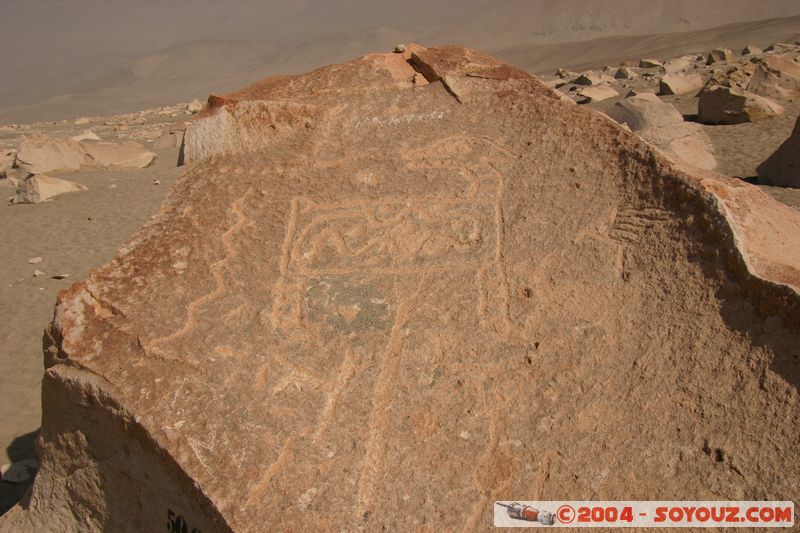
<point x="101" y="56"/>
<point x="502" y="23"/>
<point x="612" y="50"/>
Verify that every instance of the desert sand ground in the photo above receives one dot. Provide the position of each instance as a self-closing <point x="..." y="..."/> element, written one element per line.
<point x="80" y="231"/>
<point x="72" y="234"/>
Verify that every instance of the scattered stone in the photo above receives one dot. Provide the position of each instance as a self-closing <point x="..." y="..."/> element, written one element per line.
<point x="780" y="47"/>
<point x="685" y="142"/>
<point x="399" y="49"/>
<point x="782" y="168"/>
<point x="195" y="106"/>
<point x="564" y="73"/>
<point x="776" y="76"/>
<point x="625" y="73"/>
<point x="645" y="111"/>
<point x="662" y="125"/>
<point x="112" y="186"/>
<point x="731" y="105"/>
<point x="679" y="64"/>
<point x="637" y="92"/>
<point x="719" y="55"/>
<point x="751" y="50"/>
<point x="42" y="155"/>
<point x="35" y="260"/>
<point x="737" y="76"/>
<point x="60" y="276"/>
<point x="678" y="84"/>
<point x="588" y="78"/>
<point x="8" y="160"/>
<point x="37" y="188"/>
<point x="87" y="135"/>
<point x="650" y="63"/>
<point x="38" y="273"/>
<point x="156" y="182"/>
<point x="598" y="93"/>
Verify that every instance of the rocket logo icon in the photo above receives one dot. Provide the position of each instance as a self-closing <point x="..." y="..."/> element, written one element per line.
<point x="517" y="511"/>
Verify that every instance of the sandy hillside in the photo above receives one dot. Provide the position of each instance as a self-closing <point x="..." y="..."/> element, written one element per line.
<point x="579" y="55"/>
<point x="114" y="57"/>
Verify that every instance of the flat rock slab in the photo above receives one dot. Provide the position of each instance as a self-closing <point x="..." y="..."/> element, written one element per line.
<point x="732" y="105"/>
<point x="42" y="155"/>
<point x="37" y="188"/>
<point x="373" y="302"/>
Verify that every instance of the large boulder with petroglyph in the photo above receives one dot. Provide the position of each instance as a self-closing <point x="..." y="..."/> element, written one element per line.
<point x="387" y="293"/>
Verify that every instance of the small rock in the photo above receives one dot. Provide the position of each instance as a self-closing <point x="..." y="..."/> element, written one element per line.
<point x="34" y="260"/>
<point x="588" y="78"/>
<point x="677" y="84"/>
<point x="37" y="273"/>
<point x="37" y="188"/>
<point x="679" y="63"/>
<point x="81" y="121"/>
<point x="736" y="76"/>
<point x="60" y="276"/>
<point x="399" y="49"/>
<point x="195" y="106"/>
<point x="784" y="47"/>
<point x="7" y="161"/>
<point x="719" y="55"/>
<point x="41" y="155"/>
<point x="751" y="49"/>
<point x="112" y="186"/>
<point x="650" y="63"/>
<point x="731" y="105"/>
<point x="662" y="125"/>
<point x="156" y="182"/>
<point x="564" y="73"/>
<point x="598" y="94"/>
<point x="776" y="76"/>
<point x="625" y="73"/>
<point x="645" y="111"/>
<point x="87" y="135"/>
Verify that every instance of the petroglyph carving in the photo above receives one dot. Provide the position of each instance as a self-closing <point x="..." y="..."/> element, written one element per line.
<point x="630" y="224"/>
<point x="392" y="238"/>
<point x="331" y="248"/>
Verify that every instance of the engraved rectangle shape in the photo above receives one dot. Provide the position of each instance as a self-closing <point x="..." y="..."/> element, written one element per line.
<point x="394" y="237"/>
